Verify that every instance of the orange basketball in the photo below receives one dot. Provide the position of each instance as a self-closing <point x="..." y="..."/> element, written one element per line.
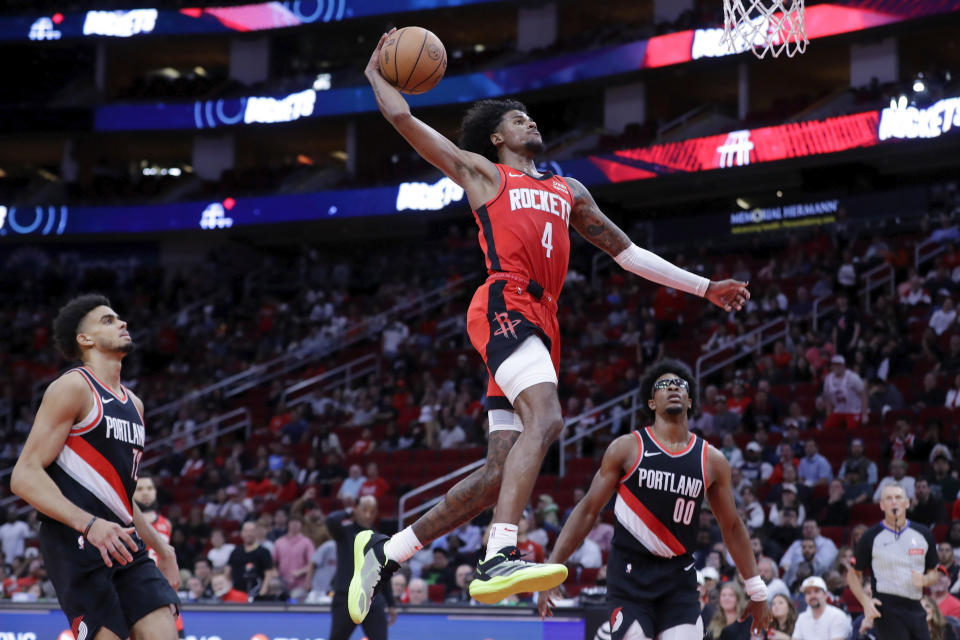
<point x="413" y="60"/>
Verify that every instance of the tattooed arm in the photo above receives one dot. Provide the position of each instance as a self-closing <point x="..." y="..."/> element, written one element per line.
<point x="593" y="225"/>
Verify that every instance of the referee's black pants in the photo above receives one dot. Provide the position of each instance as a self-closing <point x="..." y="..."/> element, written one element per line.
<point x="374" y="625"/>
<point x="900" y="619"/>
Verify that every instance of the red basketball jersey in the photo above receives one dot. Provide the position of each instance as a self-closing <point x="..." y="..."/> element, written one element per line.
<point x="165" y="529"/>
<point x="524" y="229"/>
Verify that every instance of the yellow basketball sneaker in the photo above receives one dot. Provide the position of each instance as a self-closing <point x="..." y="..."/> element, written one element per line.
<point x="370" y="566"/>
<point x="506" y="574"/>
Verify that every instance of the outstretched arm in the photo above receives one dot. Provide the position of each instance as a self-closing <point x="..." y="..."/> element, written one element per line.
<point x="621" y="453"/>
<point x="470" y="170"/>
<point x="735" y="537"/>
<point x="597" y="228"/>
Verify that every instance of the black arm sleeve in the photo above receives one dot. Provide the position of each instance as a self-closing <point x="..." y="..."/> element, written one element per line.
<point x="335" y="523"/>
<point x="863" y="554"/>
<point x="932" y="559"/>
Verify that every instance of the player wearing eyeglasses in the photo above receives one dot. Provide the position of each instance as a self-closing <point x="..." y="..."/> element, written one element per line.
<point x="660" y="475"/>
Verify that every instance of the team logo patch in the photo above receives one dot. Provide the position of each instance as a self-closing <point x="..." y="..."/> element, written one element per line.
<point x="916" y="552"/>
<point x="616" y="619"/>
<point x="507" y="326"/>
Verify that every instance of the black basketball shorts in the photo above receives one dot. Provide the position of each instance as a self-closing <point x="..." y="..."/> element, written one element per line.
<point x="657" y="593"/>
<point x="93" y="595"/>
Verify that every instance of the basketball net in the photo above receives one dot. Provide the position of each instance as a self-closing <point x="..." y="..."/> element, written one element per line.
<point x="764" y="26"/>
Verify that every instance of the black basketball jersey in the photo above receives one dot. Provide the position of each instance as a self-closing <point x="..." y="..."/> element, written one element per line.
<point x="97" y="467"/>
<point x="658" y="501"/>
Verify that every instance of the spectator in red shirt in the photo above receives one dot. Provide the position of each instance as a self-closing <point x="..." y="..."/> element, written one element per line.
<point x="286" y="489"/>
<point x="364" y="444"/>
<point x="375" y="485"/>
<point x="223" y="589"/>
<point x="940" y="592"/>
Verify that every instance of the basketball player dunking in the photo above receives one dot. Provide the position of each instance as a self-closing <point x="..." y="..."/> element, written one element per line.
<point x="660" y="475"/>
<point x="78" y="468"/>
<point x="523" y="217"/>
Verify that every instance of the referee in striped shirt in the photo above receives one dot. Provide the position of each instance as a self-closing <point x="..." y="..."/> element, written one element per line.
<point x="901" y="558"/>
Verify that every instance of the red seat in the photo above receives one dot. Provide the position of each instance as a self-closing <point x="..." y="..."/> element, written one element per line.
<point x="837" y="534"/>
<point x="865" y="513"/>
<point x="436" y="592"/>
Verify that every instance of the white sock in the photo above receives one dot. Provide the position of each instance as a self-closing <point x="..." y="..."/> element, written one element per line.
<point x="502" y="535"/>
<point x="402" y="546"/>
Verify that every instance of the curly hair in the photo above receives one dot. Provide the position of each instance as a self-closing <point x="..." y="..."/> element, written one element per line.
<point x="668" y="365"/>
<point x="67" y="323"/>
<point x="481" y="120"/>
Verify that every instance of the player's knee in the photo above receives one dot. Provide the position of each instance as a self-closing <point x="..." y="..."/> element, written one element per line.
<point x="548" y="428"/>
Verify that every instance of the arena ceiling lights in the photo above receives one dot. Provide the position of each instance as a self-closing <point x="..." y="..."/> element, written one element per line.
<point x="263" y="16"/>
<point x="725" y="151"/>
<point x="822" y="20"/>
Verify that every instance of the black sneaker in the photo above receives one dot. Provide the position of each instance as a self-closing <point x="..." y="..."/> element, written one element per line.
<point x="370" y="566"/>
<point x="506" y="574"/>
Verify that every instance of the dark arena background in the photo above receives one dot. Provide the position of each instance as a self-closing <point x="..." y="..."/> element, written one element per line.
<point x="296" y="278"/>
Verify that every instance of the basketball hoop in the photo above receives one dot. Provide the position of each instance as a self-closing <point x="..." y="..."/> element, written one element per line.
<point x="774" y="26"/>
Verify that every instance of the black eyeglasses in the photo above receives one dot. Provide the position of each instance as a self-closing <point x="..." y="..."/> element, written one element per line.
<point x="666" y="383"/>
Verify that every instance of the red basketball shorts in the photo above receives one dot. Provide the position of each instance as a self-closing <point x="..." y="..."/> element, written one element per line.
<point x="505" y="312"/>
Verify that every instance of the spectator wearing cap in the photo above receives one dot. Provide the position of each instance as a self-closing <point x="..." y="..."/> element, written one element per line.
<point x="820" y="621"/>
<point x="940" y="591"/>
<point x="942" y="483"/>
<point x="706" y="609"/>
<point x="802" y="491"/>
<point x="724" y="420"/>
<point x="866" y="468"/>
<point x="813" y="469"/>
<point x="784" y="534"/>
<point x="948" y="561"/>
<point x="845" y="396"/>
<point x="711" y="578"/>
<point x="898" y="476"/>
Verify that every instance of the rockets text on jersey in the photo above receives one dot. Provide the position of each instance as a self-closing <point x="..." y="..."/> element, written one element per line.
<point x="98" y="465"/>
<point x="658" y="502"/>
<point x="524" y="229"/>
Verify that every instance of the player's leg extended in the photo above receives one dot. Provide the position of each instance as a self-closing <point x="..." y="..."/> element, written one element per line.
<point x="463" y="502"/>
<point x="159" y="624"/>
<point x="469" y="497"/>
<point x="502" y="573"/>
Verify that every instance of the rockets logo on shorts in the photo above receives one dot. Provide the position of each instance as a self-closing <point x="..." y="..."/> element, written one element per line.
<point x="507" y="326"/>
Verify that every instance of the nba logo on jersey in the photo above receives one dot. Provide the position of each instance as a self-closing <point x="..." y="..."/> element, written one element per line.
<point x="80" y="542"/>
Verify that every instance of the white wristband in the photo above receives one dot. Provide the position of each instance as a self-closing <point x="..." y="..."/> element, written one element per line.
<point x="756" y="589"/>
<point x="652" y="267"/>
